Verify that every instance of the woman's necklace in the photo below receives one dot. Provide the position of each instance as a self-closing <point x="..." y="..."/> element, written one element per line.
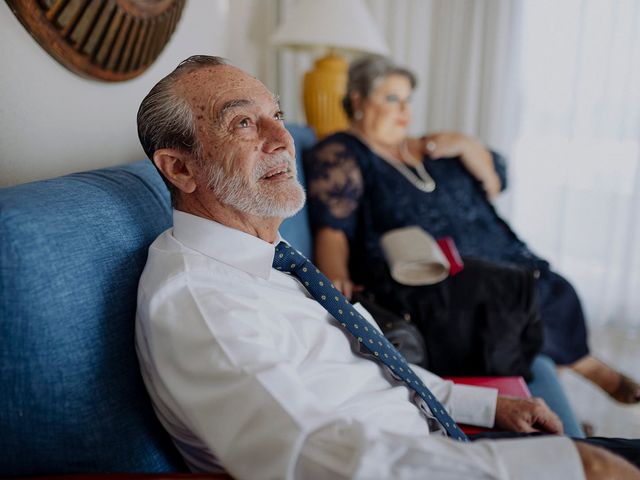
<point x="422" y="181"/>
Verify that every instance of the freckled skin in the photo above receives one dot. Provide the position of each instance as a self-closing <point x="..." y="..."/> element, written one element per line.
<point x="212" y="87"/>
<point x="240" y="126"/>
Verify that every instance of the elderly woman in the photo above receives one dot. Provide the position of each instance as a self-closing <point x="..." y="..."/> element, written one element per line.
<point x="373" y="178"/>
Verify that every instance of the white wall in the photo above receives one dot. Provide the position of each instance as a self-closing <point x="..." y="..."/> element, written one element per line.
<point x="250" y="24"/>
<point x="54" y="122"/>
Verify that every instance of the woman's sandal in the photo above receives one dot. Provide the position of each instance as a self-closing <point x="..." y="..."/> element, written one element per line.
<point x="628" y="391"/>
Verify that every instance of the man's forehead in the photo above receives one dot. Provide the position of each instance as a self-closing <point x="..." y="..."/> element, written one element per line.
<point x="214" y="86"/>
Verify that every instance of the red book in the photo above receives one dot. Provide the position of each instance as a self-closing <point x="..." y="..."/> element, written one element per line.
<point x="512" y="386"/>
<point x="448" y="247"/>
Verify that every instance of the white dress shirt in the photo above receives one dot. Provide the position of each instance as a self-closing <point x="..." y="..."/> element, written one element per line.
<point x="245" y="369"/>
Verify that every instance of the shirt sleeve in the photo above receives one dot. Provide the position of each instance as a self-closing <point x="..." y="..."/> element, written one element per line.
<point x="222" y="369"/>
<point x="465" y="403"/>
<point x="334" y="187"/>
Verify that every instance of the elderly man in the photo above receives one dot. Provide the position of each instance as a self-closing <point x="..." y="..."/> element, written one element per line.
<point x="254" y="363"/>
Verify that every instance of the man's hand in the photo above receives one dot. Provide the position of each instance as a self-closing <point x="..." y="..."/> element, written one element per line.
<point x="526" y="415"/>
<point x="599" y="463"/>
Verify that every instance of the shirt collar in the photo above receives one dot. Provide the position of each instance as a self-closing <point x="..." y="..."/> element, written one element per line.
<point x="225" y="244"/>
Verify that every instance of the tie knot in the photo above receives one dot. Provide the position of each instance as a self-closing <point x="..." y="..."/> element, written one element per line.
<point x="287" y="258"/>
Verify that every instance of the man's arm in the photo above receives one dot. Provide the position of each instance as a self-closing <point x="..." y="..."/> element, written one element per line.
<point x="483" y="407"/>
<point x="526" y="415"/>
<point x="599" y="463"/>
<point x="223" y="370"/>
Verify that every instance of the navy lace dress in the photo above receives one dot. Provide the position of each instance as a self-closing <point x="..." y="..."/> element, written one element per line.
<point x="352" y="189"/>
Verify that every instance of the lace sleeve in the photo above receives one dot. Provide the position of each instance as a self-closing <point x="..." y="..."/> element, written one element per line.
<point x="334" y="187"/>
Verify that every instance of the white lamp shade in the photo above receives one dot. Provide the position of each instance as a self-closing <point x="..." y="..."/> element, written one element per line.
<point x="344" y="24"/>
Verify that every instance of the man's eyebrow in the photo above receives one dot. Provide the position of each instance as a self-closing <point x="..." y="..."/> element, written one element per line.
<point x="241" y="102"/>
<point x="231" y="104"/>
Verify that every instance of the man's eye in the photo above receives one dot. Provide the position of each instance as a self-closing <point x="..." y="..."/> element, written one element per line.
<point x="279" y="115"/>
<point x="244" y="123"/>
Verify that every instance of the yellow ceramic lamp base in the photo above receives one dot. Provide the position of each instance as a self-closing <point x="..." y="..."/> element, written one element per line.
<point x="324" y="88"/>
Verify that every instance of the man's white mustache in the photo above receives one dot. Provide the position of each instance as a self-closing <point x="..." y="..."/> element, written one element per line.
<point x="272" y="162"/>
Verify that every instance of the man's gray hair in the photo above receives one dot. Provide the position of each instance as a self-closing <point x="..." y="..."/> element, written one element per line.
<point x="366" y="73"/>
<point x="166" y="119"/>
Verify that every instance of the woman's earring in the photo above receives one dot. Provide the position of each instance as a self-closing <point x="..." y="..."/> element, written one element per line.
<point x="357" y="115"/>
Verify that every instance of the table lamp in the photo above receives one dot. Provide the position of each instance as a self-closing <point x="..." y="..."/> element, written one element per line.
<point x="334" y="25"/>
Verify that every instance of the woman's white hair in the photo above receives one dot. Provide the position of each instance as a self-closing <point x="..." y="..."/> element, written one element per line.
<point x="366" y="73"/>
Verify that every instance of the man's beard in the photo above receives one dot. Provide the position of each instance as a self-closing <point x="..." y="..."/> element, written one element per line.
<point x="256" y="197"/>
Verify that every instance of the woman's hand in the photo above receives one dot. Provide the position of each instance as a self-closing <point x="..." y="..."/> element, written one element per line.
<point x="332" y="257"/>
<point x="475" y="157"/>
<point x="346" y="286"/>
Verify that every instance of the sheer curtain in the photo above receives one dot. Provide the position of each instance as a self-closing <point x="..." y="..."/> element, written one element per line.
<point x="575" y="165"/>
<point x="553" y="85"/>
<point x="463" y="52"/>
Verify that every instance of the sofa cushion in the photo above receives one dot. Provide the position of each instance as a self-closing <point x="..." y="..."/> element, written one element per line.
<point x="71" y="253"/>
<point x="296" y="229"/>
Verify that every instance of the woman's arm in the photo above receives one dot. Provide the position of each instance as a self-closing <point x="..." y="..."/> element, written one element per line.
<point x="332" y="257"/>
<point x="334" y="191"/>
<point x="475" y="157"/>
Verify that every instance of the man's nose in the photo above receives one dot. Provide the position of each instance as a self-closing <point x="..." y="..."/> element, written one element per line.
<point x="276" y="136"/>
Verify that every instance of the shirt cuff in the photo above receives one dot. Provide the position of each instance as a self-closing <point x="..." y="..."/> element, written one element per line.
<point x="474" y="405"/>
<point x="542" y="457"/>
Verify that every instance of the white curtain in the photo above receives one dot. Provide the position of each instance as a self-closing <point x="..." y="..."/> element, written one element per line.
<point x="576" y="175"/>
<point x="462" y="51"/>
<point x="554" y="86"/>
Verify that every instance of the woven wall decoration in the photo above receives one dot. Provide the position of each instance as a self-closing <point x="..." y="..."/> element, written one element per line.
<point x="110" y="40"/>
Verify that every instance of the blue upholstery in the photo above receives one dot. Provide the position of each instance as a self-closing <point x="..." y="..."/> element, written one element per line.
<point x="71" y="252"/>
<point x="296" y="230"/>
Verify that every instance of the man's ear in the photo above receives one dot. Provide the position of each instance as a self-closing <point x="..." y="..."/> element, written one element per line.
<point x="177" y="167"/>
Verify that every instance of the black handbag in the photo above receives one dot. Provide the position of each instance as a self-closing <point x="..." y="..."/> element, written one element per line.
<point x="483" y="321"/>
<point x="398" y="329"/>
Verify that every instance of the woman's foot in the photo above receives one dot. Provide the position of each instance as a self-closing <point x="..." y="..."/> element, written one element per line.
<point x="618" y="386"/>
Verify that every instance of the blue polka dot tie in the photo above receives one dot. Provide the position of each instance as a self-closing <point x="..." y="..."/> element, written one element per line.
<point x="288" y="259"/>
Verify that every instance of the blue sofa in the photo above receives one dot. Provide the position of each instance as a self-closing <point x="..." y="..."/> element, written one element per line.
<point x="71" y="252"/>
